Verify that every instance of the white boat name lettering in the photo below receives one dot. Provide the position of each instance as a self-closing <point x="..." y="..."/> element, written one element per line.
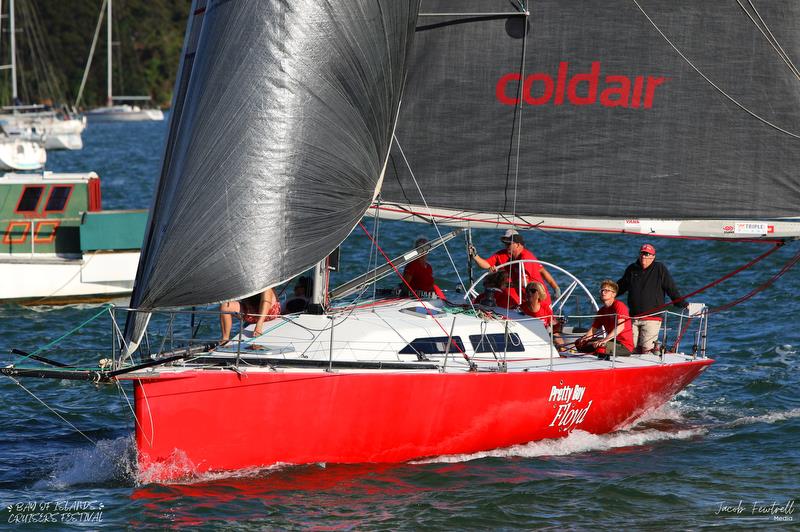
<point x="568" y="417"/>
<point x="567" y="393"/>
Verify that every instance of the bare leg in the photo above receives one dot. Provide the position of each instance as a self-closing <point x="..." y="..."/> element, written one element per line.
<point x="268" y="299"/>
<point x="226" y="320"/>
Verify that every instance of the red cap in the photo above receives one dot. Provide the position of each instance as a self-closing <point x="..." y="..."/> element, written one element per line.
<point x="648" y="248"/>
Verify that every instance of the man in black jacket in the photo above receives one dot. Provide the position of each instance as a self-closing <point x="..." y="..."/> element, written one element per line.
<point x="646" y="282"/>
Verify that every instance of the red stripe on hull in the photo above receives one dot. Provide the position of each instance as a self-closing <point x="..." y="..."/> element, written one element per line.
<point x="218" y="420"/>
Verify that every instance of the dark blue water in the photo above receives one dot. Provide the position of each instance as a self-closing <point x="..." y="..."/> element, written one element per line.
<point x="731" y="439"/>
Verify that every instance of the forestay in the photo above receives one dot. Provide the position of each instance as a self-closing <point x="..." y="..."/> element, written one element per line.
<point x="626" y="112"/>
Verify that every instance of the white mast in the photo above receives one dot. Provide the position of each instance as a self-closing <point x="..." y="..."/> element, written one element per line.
<point x="109" y="102"/>
<point x="12" y="30"/>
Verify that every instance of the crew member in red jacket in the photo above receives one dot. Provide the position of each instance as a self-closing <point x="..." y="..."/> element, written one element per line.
<point x="419" y="274"/>
<point x="614" y="323"/>
<point x="515" y="250"/>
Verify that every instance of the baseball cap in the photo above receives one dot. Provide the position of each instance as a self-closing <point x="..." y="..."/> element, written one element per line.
<point x="648" y="248"/>
<point x="511" y="236"/>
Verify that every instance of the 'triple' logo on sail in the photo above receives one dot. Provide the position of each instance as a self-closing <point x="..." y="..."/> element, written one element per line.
<point x="540" y="88"/>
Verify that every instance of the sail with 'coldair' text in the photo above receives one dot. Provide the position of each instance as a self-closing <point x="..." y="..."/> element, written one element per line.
<point x="670" y="117"/>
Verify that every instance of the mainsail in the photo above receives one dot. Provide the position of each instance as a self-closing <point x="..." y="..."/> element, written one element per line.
<point x="278" y="145"/>
<point x="598" y="110"/>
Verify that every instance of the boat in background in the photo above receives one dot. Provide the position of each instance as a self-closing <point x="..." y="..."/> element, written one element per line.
<point x="59" y="246"/>
<point x="59" y="129"/>
<point x="21" y="149"/>
<point x="123" y="113"/>
<point x="114" y="111"/>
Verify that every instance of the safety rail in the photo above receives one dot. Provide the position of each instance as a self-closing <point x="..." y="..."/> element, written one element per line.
<point x="173" y="338"/>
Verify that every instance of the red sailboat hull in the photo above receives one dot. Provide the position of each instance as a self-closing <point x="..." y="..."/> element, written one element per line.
<point x="198" y="421"/>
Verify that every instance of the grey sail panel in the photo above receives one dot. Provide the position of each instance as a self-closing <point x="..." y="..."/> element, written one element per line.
<point x="281" y="142"/>
<point x="137" y="322"/>
<point x="613" y="121"/>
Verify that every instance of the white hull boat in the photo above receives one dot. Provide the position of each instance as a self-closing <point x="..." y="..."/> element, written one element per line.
<point x="57" y="133"/>
<point x="49" y="278"/>
<point x="59" y="246"/>
<point x="124" y="113"/>
<point x="21" y="154"/>
<point x="115" y="112"/>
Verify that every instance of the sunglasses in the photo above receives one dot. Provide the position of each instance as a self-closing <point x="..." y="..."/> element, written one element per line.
<point x="647" y="254"/>
<point x="602" y="290"/>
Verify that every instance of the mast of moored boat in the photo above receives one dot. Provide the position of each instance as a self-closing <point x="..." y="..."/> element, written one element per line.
<point x="109" y="100"/>
<point x="13" y="45"/>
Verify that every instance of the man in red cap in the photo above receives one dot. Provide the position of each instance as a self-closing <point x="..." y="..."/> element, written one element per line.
<point x="515" y="250"/>
<point x="646" y="282"/>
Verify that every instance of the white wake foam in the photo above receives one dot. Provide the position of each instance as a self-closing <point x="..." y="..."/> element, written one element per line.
<point x="577" y="442"/>
<point x="772" y="417"/>
<point x="107" y="461"/>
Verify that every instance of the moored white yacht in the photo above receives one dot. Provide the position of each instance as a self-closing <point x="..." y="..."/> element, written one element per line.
<point x="123" y="113"/>
<point x="59" y="130"/>
<point x="114" y="111"/>
<point x="21" y="149"/>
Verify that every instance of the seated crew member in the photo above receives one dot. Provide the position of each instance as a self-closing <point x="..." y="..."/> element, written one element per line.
<point x="491" y="286"/>
<point x="617" y="334"/>
<point x="533" y="305"/>
<point x="258" y="308"/>
<point x="501" y="295"/>
<point x="515" y="250"/>
<point x="419" y="274"/>
<point x="301" y="295"/>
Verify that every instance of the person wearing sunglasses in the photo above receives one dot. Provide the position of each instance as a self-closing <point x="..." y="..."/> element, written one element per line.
<point x="534" y="305"/>
<point x="611" y="331"/>
<point x="646" y="281"/>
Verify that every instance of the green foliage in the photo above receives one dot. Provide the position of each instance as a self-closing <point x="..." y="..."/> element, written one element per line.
<point x="149" y="36"/>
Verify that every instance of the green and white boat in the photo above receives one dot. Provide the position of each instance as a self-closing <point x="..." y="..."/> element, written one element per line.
<point x="59" y="246"/>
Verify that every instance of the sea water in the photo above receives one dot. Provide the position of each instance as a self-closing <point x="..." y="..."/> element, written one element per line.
<point x="723" y="453"/>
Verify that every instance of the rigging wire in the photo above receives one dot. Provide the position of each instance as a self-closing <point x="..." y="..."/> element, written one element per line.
<point x="520" y="107"/>
<point x="433" y="221"/>
<point x="389" y="261"/>
<point x="124" y="394"/>
<point x="770" y="38"/>
<point x="725" y="277"/>
<point x="717" y="87"/>
<point x="65" y="420"/>
<point x="68" y="333"/>
<point x="786" y="267"/>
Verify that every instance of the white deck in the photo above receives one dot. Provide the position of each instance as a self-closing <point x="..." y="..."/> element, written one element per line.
<point x="377" y="338"/>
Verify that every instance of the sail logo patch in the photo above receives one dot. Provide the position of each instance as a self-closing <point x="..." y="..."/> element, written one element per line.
<point x="581" y="88"/>
<point x="757" y="228"/>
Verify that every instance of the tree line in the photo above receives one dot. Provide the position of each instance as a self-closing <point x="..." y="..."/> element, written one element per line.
<point x="53" y="39"/>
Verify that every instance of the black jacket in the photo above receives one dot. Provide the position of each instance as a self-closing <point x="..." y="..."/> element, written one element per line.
<point x="646" y="288"/>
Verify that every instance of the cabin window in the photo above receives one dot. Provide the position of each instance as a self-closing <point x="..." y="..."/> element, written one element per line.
<point x="29" y="201"/>
<point x="16" y="232"/>
<point x="46" y="231"/>
<point x="421" y="312"/>
<point x="433" y="346"/>
<point x="496" y="343"/>
<point x="58" y="198"/>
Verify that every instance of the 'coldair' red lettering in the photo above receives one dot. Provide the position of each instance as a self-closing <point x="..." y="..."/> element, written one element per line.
<point x="583" y="88"/>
